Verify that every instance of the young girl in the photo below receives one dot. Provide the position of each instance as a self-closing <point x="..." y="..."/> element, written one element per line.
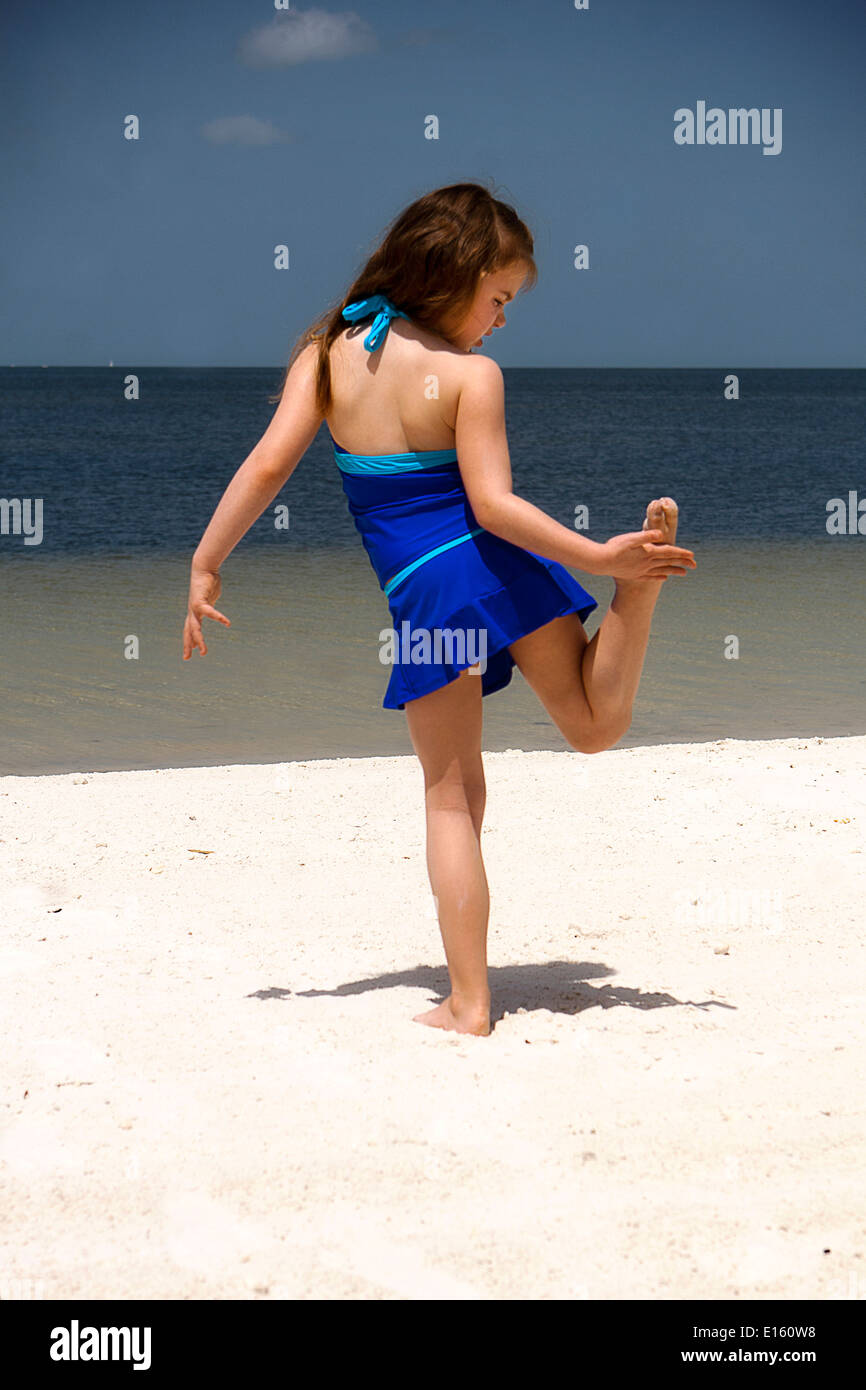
<point x="417" y="422"/>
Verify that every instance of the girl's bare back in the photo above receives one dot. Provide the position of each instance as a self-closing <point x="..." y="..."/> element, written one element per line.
<point x="401" y="398"/>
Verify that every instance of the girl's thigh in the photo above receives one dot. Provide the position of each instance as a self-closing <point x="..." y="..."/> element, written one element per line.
<point x="445" y="728"/>
<point x="549" y="659"/>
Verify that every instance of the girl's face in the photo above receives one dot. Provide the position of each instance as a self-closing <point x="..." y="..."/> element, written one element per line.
<point x="486" y="310"/>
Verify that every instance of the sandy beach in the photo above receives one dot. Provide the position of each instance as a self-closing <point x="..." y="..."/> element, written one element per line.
<point x="213" y="1087"/>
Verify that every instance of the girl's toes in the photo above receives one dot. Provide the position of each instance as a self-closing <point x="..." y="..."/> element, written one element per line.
<point x="671" y="513"/>
<point x="655" y="519"/>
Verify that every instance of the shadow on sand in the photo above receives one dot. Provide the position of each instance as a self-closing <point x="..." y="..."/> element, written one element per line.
<point x="559" y="986"/>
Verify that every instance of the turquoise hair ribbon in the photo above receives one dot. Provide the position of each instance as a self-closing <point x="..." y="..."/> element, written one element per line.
<point x="384" y="310"/>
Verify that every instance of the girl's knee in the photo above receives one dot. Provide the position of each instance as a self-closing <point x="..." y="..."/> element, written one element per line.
<point x="455" y="794"/>
<point x="460" y="787"/>
<point x="598" y="738"/>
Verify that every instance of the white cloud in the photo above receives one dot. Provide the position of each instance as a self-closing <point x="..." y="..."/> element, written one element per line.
<point x="306" y="36"/>
<point x="243" y="130"/>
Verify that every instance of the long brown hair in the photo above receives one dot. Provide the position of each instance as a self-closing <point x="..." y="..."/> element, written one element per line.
<point x="429" y="264"/>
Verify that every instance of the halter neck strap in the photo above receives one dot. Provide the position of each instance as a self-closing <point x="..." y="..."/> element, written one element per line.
<point x="384" y="310"/>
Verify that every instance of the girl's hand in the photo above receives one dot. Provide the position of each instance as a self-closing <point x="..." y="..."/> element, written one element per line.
<point x="205" y="587"/>
<point x="639" y="555"/>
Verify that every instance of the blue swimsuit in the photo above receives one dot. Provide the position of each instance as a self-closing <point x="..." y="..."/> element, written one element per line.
<point x="439" y="570"/>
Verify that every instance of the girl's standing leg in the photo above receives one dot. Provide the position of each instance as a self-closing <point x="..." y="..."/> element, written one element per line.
<point x="445" y="728"/>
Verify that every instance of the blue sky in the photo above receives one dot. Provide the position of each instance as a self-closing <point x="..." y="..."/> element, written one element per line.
<point x="307" y="128"/>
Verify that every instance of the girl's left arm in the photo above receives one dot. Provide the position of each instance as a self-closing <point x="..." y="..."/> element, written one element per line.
<point x="292" y="430"/>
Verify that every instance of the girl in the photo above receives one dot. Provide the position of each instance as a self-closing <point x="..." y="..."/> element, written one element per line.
<point x="470" y="570"/>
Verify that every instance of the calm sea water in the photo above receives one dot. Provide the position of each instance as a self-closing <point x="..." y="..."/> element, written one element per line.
<point x="127" y="488"/>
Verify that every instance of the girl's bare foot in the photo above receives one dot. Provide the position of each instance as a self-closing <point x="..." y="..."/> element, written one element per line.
<point x="662" y="514"/>
<point x="461" y="1019"/>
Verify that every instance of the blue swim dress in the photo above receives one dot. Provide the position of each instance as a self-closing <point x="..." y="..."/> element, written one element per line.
<point x="439" y="570"/>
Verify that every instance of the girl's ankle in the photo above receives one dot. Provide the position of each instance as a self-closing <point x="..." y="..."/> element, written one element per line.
<point x="469" y="1005"/>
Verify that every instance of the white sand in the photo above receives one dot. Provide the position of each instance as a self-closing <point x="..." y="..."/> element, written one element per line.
<point x="213" y="1087"/>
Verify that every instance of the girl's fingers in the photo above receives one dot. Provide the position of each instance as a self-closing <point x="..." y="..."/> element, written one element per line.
<point x="190" y="641"/>
<point x="673" y="552"/>
<point x="664" y="551"/>
<point x="210" y="612"/>
<point x="193" y="636"/>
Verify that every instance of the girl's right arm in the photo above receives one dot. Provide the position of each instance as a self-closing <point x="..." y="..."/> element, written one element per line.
<point x="292" y="430"/>
<point x="485" y="468"/>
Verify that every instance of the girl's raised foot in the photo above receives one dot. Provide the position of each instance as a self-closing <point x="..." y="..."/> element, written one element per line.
<point x="662" y="514"/>
<point x="474" y="1019"/>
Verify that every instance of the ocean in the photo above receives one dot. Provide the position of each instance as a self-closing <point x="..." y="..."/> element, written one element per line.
<point x="128" y="487"/>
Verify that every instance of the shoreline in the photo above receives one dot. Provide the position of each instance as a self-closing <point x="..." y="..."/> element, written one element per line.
<point x="798" y="739"/>
<point x="307" y="626"/>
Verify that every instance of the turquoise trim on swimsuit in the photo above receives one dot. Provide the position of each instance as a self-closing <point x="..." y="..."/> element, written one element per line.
<point x="428" y="555"/>
<point x="385" y="463"/>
